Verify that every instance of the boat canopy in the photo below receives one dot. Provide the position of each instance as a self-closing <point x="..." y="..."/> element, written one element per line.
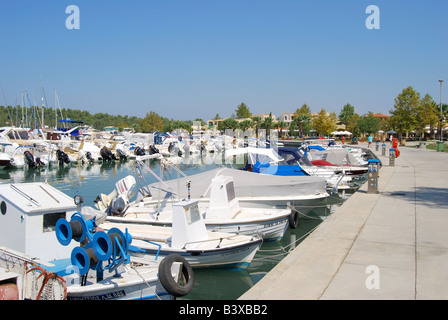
<point x="70" y="121"/>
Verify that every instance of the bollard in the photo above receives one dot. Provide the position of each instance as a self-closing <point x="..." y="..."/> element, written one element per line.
<point x="374" y="168"/>
<point x="383" y="149"/>
<point x="377" y="146"/>
<point x="391" y="157"/>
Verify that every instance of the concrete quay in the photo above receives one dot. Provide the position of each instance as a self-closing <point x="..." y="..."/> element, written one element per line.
<point x="387" y="246"/>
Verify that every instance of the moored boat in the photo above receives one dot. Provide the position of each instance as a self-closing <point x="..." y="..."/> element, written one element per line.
<point x="43" y="256"/>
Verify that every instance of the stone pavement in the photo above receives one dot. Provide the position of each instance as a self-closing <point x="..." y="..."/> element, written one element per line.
<point x="392" y="245"/>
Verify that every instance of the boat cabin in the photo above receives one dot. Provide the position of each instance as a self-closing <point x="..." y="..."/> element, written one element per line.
<point x="28" y="216"/>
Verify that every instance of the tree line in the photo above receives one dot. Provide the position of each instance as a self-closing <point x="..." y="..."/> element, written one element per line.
<point x="410" y="113"/>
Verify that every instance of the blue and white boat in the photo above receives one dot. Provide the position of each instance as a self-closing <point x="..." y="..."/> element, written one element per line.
<point x="221" y="213"/>
<point x="188" y="237"/>
<point x="50" y="251"/>
<point x="289" y="162"/>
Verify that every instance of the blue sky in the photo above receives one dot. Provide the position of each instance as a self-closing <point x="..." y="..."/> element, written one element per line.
<point x="187" y="59"/>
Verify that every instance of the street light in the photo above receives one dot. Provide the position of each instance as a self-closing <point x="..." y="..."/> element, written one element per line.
<point x="441" y="115"/>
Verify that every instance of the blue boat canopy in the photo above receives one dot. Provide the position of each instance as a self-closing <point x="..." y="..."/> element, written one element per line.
<point x="71" y="121"/>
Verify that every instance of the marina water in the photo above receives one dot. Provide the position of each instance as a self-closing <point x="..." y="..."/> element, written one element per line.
<point x="90" y="181"/>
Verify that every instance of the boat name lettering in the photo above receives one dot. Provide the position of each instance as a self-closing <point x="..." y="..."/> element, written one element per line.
<point x="235" y="251"/>
<point x="268" y="225"/>
<point x="107" y="296"/>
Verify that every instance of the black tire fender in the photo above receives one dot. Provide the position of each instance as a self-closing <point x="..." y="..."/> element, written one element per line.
<point x="293" y="219"/>
<point x="167" y="280"/>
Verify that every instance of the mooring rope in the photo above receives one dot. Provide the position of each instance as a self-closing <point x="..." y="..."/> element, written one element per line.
<point x="284" y="250"/>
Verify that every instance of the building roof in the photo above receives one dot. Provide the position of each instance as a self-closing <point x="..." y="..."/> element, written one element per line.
<point x="380" y="115"/>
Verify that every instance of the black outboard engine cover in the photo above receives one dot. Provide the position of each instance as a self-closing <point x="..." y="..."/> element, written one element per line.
<point x="89" y="157"/>
<point x="139" y="151"/>
<point x="29" y="159"/>
<point x="39" y="162"/>
<point x="171" y="147"/>
<point x="62" y="157"/>
<point x="106" y="154"/>
<point x="122" y="155"/>
<point x="153" y="150"/>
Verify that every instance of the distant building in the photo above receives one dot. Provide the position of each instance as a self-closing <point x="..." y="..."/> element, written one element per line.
<point x="265" y="115"/>
<point x="287" y="117"/>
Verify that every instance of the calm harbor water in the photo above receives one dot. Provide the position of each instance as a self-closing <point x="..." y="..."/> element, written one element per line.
<point x="210" y="284"/>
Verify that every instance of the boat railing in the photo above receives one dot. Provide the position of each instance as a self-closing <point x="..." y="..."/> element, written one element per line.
<point x="219" y="240"/>
<point x="338" y="181"/>
<point x="139" y="166"/>
<point x="29" y="198"/>
<point x="20" y="148"/>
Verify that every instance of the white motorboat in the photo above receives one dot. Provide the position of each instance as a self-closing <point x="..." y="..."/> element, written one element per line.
<point x="252" y="190"/>
<point x="221" y="213"/>
<point x="289" y="162"/>
<point x="44" y="256"/>
<point x="189" y="238"/>
<point x="334" y="158"/>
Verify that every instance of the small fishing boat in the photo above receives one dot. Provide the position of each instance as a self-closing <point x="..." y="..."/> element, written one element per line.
<point x="189" y="238"/>
<point x="252" y="190"/>
<point x="221" y="213"/>
<point x="51" y="252"/>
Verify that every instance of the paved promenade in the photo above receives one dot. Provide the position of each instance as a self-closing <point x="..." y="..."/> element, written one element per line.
<point x="391" y="245"/>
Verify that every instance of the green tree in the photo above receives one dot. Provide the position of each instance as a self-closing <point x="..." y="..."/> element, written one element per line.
<point x="228" y="123"/>
<point x="404" y="114"/>
<point x="267" y="124"/>
<point x="324" y="123"/>
<point x="427" y="114"/>
<point x="346" y="114"/>
<point x="281" y="125"/>
<point x="302" y="119"/>
<point x="242" y="111"/>
<point x="245" y="124"/>
<point x="152" y="122"/>
<point x="369" y="124"/>
<point x="256" y="124"/>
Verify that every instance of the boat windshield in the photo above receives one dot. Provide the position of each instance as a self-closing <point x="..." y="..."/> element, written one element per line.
<point x="18" y="135"/>
<point x="292" y="157"/>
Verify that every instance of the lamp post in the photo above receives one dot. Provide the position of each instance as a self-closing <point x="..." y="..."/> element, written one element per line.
<point x="441" y="115"/>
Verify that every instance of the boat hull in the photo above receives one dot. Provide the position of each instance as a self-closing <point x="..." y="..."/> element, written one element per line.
<point x="130" y="287"/>
<point x="237" y="257"/>
<point x="268" y="229"/>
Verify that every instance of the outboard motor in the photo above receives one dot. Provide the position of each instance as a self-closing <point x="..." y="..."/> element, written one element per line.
<point x="106" y="154"/>
<point x="116" y="202"/>
<point x="153" y="149"/>
<point x="173" y="149"/>
<point x="39" y="162"/>
<point x="29" y="159"/>
<point x="89" y="157"/>
<point x="139" y="151"/>
<point x="122" y="155"/>
<point x="62" y="157"/>
<point x="118" y="205"/>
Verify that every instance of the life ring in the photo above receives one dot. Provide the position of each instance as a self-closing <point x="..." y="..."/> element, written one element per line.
<point x="293" y="219"/>
<point x="167" y="280"/>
